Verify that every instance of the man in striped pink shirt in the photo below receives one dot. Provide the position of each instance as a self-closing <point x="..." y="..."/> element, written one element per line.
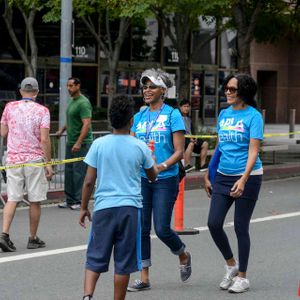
<point x="26" y="124"/>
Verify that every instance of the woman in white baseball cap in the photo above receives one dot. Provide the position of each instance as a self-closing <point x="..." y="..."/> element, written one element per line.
<point x="163" y="125"/>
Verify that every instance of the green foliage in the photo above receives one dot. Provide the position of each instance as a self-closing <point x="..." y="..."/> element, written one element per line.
<point x="276" y="19"/>
<point x="53" y="12"/>
<point x="271" y="27"/>
<point x="130" y="8"/>
<point x="27" y="5"/>
<point x="117" y="8"/>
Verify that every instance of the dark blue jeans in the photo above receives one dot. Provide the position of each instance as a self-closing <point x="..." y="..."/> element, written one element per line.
<point x="220" y="203"/>
<point x="74" y="174"/>
<point x="159" y="197"/>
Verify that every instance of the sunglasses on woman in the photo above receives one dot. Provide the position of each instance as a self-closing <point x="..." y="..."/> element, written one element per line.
<point x="230" y="89"/>
<point x="151" y="87"/>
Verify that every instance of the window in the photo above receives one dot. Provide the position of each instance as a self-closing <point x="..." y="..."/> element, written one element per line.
<point x="209" y="99"/>
<point x="196" y="90"/>
<point x="11" y="76"/>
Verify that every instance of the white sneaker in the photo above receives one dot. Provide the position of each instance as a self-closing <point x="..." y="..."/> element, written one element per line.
<point x="231" y="272"/>
<point x="240" y="285"/>
<point x="75" y="207"/>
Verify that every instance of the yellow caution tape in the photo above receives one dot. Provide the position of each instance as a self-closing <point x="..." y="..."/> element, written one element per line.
<point x="214" y="136"/>
<point x="191" y="136"/>
<point x="44" y="164"/>
<point x="280" y="134"/>
<point x="72" y="160"/>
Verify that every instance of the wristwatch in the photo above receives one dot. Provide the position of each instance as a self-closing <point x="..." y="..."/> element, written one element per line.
<point x="164" y="165"/>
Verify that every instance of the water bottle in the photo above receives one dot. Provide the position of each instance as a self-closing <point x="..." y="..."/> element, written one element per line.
<point x="151" y="146"/>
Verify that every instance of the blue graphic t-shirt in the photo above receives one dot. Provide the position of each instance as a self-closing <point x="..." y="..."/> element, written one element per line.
<point x="118" y="160"/>
<point x="235" y="128"/>
<point x="162" y="127"/>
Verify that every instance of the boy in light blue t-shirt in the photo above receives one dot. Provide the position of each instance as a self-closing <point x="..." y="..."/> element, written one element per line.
<point x="115" y="161"/>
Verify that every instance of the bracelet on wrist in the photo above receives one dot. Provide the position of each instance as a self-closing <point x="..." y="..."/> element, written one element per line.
<point x="164" y="165"/>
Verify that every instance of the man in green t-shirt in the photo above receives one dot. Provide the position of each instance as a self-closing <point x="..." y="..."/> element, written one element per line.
<point x="79" y="139"/>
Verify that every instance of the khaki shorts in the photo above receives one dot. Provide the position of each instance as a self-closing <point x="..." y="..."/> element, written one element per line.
<point x="30" y="180"/>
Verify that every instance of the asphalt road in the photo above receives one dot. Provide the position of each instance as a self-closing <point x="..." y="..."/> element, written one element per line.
<point x="56" y="272"/>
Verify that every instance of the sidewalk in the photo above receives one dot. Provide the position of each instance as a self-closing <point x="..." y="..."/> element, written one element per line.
<point x="280" y="128"/>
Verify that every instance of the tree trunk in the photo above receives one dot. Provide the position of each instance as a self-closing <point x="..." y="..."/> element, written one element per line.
<point x="184" y="78"/>
<point x="8" y="17"/>
<point x="114" y="56"/>
<point x="182" y="46"/>
<point x="32" y="41"/>
<point x="111" y="49"/>
<point x="245" y="31"/>
<point x="111" y="84"/>
<point x="243" y="55"/>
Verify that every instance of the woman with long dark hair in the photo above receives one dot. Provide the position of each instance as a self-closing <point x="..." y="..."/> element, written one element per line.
<point x="238" y="178"/>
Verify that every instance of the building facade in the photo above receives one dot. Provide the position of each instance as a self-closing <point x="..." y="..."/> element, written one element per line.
<point x="276" y="67"/>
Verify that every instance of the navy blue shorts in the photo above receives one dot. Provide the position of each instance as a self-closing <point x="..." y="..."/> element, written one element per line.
<point x="116" y="229"/>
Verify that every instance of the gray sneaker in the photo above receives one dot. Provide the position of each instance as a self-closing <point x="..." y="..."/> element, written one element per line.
<point x="231" y="272"/>
<point x="6" y="244"/>
<point x="240" y="285"/>
<point x="35" y="243"/>
<point x="186" y="270"/>
<point x="63" y="205"/>
<point x="139" y="286"/>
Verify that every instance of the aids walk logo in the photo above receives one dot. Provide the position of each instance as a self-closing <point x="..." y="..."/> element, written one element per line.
<point x="158" y="129"/>
<point x="158" y="126"/>
<point x="231" y="131"/>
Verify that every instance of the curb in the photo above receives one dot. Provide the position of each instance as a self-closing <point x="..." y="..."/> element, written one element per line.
<point x="194" y="180"/>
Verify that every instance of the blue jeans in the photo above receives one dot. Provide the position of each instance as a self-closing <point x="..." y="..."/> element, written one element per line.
<point x="159" y="197"/>
<point x="74" y="174"/>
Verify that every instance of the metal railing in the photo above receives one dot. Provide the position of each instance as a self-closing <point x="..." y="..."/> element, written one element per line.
<point x="57" y="182"/>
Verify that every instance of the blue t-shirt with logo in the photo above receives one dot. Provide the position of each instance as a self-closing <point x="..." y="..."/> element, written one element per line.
<point x="235" y="128"/>
<point x="118" y="160"/>
<point x="162" y="127"/>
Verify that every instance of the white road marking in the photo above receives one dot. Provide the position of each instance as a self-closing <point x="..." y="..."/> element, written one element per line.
<point x="83" y="247"/>
<point x="258" y="220"/>
<point x="42" y="253"/>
